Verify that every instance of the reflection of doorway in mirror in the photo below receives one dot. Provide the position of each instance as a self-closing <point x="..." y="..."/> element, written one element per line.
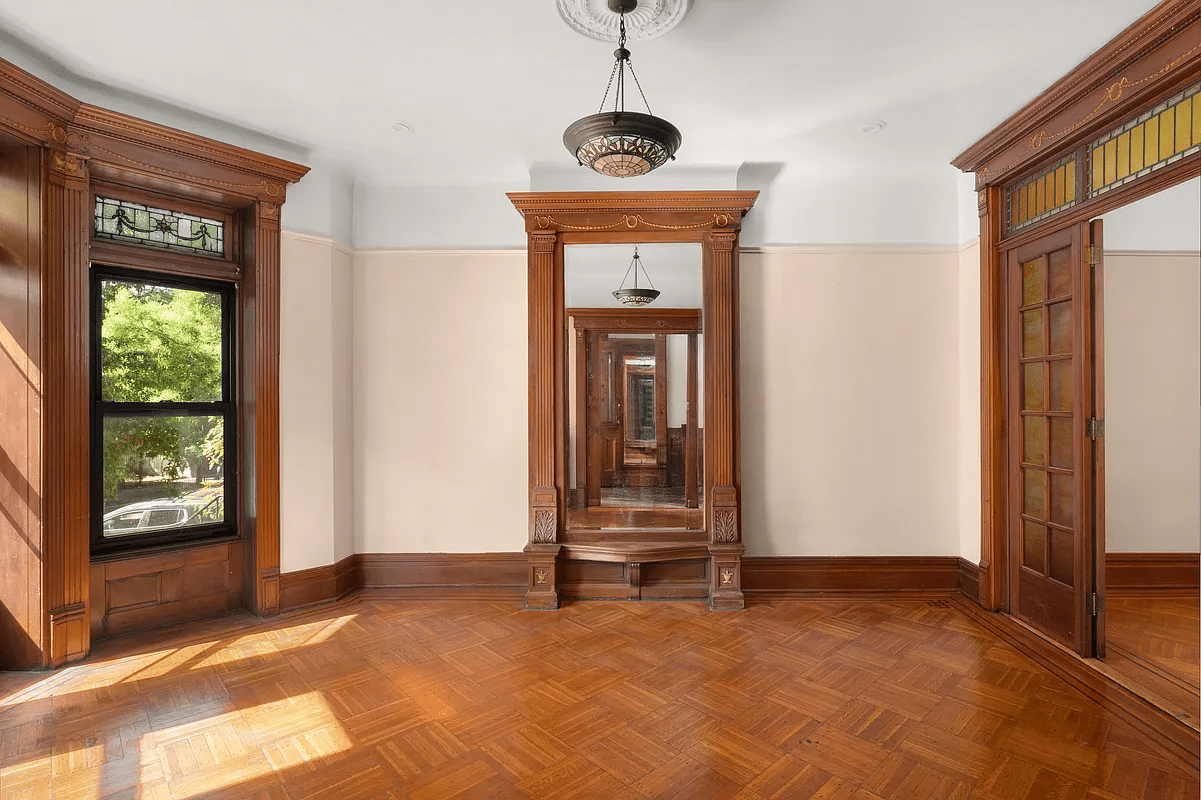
<point x="635" y="426"/>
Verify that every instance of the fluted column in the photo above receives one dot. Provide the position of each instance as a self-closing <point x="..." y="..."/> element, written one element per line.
<point x="545" y="301"/>
<point x="65" y="507"/>
<point x="722" y="463"/>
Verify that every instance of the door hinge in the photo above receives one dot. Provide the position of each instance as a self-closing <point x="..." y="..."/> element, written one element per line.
<point x="1098" y="604"/>
<point x="1092" y="255"/>
<point x="1096" y="428"/>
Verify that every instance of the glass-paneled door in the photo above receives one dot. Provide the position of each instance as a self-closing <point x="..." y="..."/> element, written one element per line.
<point x="1052" y="553"/>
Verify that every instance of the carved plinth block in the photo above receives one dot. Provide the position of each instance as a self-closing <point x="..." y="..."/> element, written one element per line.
<point x="725" y="578"/>
<point x="543" y="566"/>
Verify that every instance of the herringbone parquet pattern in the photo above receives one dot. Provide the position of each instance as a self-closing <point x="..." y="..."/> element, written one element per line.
<point x="837" y="700"/>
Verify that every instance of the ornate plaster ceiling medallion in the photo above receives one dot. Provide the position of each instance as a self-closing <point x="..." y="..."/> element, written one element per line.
<point x="650" y="20"/>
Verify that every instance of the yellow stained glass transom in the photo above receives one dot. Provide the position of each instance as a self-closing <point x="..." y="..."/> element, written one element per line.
<point x="1154" y="139"/>
<point x="1040" y="195"/>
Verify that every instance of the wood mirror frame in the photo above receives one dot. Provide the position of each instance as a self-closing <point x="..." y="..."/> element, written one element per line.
<point x="555" y="219"/>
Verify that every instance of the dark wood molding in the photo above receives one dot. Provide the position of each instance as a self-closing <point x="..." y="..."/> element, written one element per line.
<point x="78" y="144"/>
<point x="149" y="591"/>
<point x="467" y="576"/>
<point x="604" y="571"/>
<point x="1158" y="55"/>
<point x="809" y="576"/>
<point x="1164" y="574"/>
<point x="969" y="580"/>
<point x="307" y="587"/>
<point x="553" y="219"/>
<point x="1173" y="737"/>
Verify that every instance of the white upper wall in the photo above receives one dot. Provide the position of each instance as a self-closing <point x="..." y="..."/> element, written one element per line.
<point x="1168" y="220"/>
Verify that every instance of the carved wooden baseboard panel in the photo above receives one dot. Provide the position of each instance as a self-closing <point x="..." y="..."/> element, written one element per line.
<point x="1162" y="574"/>
<point x="141" y="592"/>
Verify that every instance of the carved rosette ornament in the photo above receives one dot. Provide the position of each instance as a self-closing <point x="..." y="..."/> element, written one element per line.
<point x="544" y="526"/>
<point x="725" y="528"/>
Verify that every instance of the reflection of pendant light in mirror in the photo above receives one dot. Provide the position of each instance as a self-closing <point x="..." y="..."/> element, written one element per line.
<point x="636" y="296"/>
<point x="622" y="143"/>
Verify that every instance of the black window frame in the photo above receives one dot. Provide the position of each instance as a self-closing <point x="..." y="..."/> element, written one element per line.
<point x="226" y="407"/>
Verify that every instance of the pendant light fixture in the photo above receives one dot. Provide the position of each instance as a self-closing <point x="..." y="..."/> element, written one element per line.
<point x="636" y="296"/>
<point x="619" y="142"/>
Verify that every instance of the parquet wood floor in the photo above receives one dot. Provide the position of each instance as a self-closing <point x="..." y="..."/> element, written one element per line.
<point x="375" y="698"/>
<point x="1154" y="644"/>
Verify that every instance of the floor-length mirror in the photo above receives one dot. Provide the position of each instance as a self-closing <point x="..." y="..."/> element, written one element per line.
<point x="635" y="388"/>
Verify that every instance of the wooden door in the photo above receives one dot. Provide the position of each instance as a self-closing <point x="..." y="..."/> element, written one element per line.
<point x="1051" y="552"/>
<point x="1096" y="433"/>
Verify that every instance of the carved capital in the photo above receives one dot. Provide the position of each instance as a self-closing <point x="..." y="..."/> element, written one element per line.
<point x="723" y="240"/>
<point x="982" y="202"/>
<point x="542" y="242"/>
<point x="68" y="164"/>
<point x="269" y="211"/>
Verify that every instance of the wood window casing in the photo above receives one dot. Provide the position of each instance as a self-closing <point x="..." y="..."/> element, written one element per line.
<point x="74" y="147"/>
<point x="1152" y="60"/>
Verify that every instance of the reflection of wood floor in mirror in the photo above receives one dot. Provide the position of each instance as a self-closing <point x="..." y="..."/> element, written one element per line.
<point x="1154" y="647"/>
<point x="643" y="496"/>
<point x="628" y="507"/>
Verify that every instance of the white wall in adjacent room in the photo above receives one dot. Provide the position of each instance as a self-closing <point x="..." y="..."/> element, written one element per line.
<point x="1152" y="395"/>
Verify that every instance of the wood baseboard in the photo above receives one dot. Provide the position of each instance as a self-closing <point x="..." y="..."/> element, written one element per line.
<point x="765" y="577"/>
<point x="1162" y="574"/>
<point x="467" y="576"/>
<point x="1178" y="742"/>
<point x="969" y="580"/>
<point x="308" y="587"/>
<point x="494" y="576"/>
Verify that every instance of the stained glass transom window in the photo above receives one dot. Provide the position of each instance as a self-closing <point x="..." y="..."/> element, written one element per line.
<point x="1154" y="139"/>
<point x="158" y="227"/>
<point x="1042" y="194"/>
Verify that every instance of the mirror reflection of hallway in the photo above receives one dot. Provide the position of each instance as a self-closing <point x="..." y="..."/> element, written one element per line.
<point x="1152" y="446"/>
<point x="634" y="390"/>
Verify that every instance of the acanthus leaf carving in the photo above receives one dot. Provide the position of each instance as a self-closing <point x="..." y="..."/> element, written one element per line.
<point x="725" y="528"/>
<point x="544" y="526"/>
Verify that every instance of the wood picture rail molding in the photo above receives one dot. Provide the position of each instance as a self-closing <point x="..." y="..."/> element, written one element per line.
<point x="56" y="151"/>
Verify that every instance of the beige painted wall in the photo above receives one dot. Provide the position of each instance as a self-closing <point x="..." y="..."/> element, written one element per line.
<point x="969" y="401"/>
<point x="854" y="400"/>
<point x="1152" y="399"/>
<point x="315" y="443"/>
<point x="850" y="401"/>
<point x="440" y="401"/>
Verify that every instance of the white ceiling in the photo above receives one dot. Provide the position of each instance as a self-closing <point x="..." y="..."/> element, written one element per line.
<point x="489" y="86"/>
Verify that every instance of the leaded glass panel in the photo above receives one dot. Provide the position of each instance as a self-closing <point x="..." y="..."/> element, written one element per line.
<point x="136" y="223"/>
